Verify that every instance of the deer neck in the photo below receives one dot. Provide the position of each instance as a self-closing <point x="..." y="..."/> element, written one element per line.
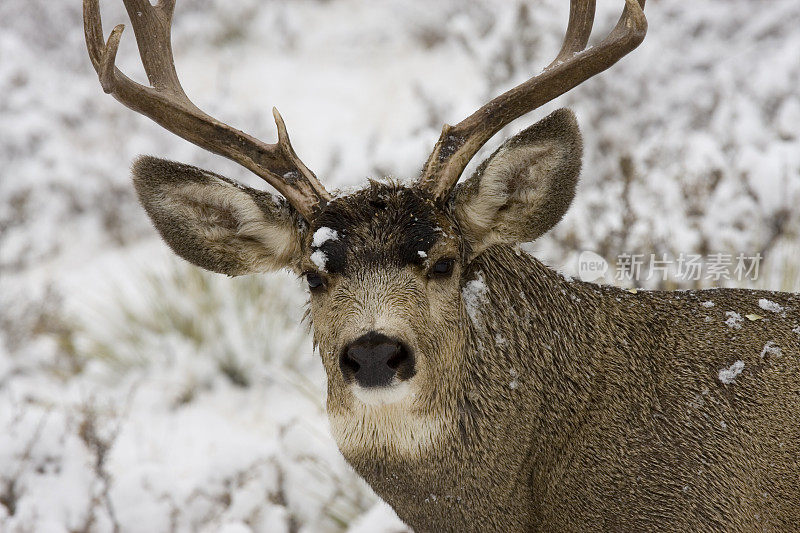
<point x="535" y="348"/>
<point x="527" y="380"/>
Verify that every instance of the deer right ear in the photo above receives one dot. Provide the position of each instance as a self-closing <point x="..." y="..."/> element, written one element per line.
<point x="215" y="223"/>
<point x="525" y="187"/>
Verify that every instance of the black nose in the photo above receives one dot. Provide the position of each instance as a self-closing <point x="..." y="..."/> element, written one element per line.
<point x="374" y="359"/>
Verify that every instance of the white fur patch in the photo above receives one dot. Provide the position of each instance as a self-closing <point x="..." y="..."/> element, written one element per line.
<point x="397" y="428"/>
<point x="382" y="395"/>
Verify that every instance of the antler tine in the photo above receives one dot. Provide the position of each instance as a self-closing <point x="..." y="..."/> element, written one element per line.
<point x="579" y="29"/>
<point x="93" y="31"/>
<point x="574" y="64"/>
<point x="166" y="103"/>
<point x="153" y="24"/>
<point x="108" y="60"/>
<point x="167" y="6"/>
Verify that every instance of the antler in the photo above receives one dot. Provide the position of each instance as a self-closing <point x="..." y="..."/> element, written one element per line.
<point x="574" y="64"/>
<point x="166" y="103"/>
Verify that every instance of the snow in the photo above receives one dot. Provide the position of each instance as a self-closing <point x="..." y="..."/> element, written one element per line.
<point x="320" y="259"/>
<point x="734" y="319"/>
<point x="728" y="375"/>
<point x="422" y="254"/>
<point x="771" y="306"/>
<point x="771" y="349"/>
<point x="320" y="237"/>
<point x="474" y="294"/>
<point x="205" y="390"/>
<point x="323" y="235"/>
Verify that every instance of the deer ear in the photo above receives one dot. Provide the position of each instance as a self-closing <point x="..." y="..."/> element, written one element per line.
<point x="216" y="223"/>
<point x="525" y="187"/>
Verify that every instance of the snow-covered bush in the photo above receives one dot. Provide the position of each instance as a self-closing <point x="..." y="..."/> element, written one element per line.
<point x="202" y="326"/>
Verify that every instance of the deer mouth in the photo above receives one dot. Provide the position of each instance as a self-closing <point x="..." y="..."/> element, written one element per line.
<point x="380" y="396"/>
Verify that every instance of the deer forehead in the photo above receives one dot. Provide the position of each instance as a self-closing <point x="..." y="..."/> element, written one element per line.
<point x="383" y="224"/>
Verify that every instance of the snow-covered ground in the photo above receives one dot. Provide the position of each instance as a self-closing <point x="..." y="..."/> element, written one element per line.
<point x="139" y="394"/>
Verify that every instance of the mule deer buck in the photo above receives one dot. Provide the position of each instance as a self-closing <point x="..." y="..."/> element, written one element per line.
<point x="474" y="388"/>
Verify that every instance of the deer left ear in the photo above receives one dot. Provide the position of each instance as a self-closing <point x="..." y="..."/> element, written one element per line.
<point x="525" y="187"/>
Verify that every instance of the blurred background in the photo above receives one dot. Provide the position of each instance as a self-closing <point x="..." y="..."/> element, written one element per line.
<point x="138" y="393"/>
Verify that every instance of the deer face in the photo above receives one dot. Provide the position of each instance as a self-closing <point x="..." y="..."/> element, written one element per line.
<point x="384" y="266"/>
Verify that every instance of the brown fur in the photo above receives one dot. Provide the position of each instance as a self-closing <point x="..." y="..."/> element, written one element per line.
<point x="617" y="419"/>
<point x="538" y="403"/>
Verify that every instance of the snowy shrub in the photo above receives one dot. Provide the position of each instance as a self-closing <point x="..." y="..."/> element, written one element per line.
<point x="204" y="326"/>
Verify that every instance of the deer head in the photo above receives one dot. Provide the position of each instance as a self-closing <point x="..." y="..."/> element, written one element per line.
<point x="385" y="266"/>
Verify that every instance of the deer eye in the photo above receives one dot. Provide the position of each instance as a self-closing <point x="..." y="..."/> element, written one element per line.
<point x="315" y="281"/>
<point x="441" y="269"/>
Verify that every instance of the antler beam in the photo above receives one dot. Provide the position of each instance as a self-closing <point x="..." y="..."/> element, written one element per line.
<point x="574" y="64"/>
<point x="166" y="103"/>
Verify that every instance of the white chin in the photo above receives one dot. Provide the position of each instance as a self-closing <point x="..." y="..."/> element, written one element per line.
<point x="390" y="394"/>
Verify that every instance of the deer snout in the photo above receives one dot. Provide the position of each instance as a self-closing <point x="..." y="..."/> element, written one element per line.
<point x="374" y="360"/>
